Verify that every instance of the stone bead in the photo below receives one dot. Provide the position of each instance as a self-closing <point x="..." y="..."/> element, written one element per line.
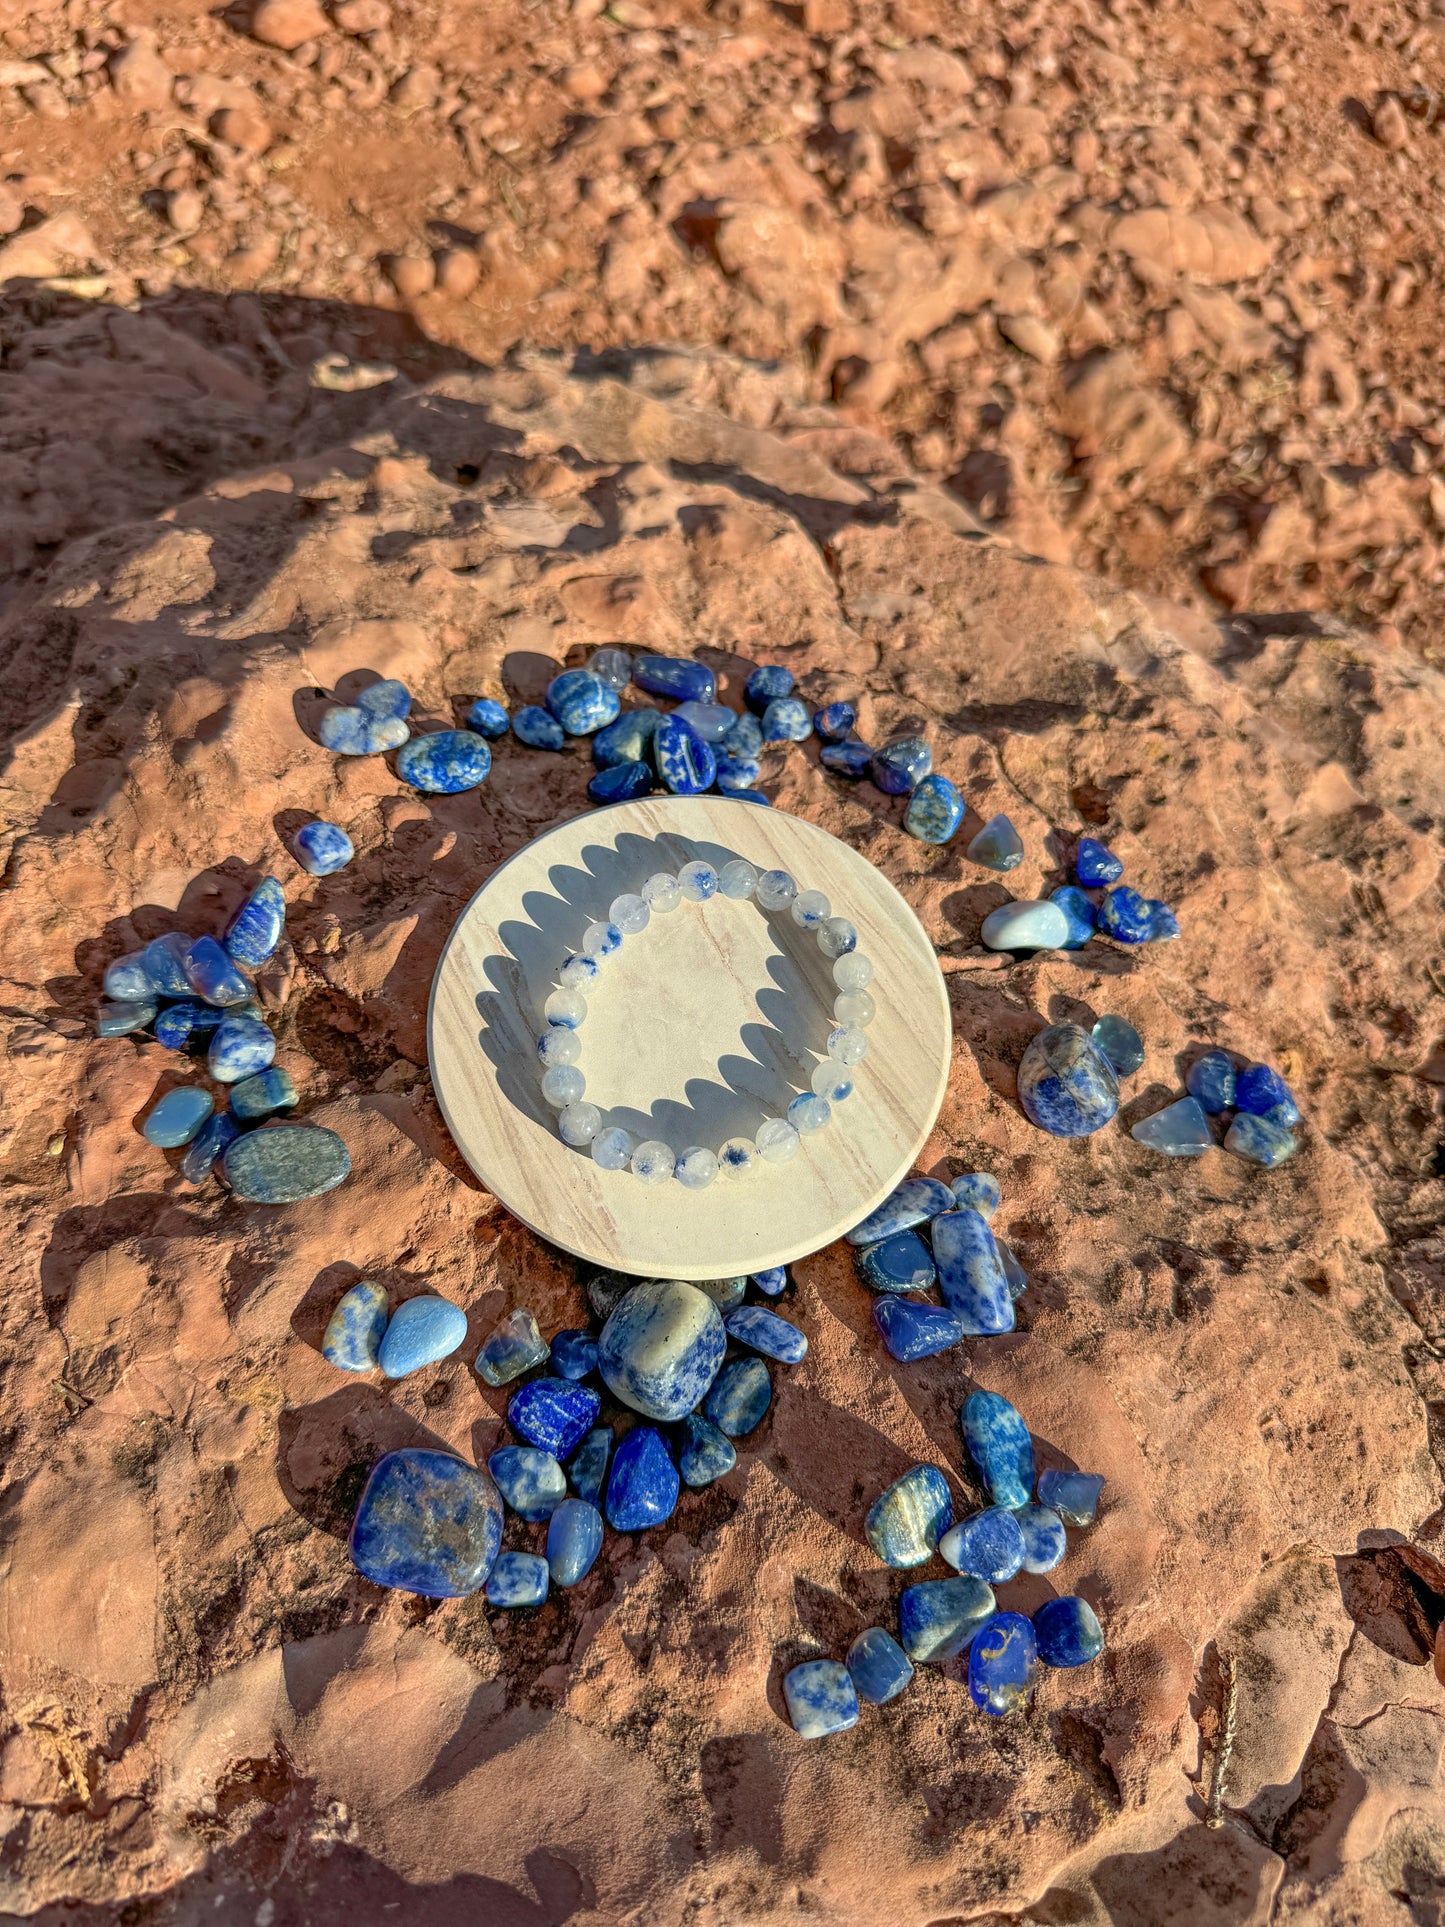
<point x="853" y="760"/>
<point x="1002" y="1664"/>
<point x="834" y="721"/>
<point x="1045" y="1541"/>
<point x="705" y="1454"/>
<point x="574" y="1539"/>
<point x="349" y="730"/>
<point x="211" y="974"/>
<point x="745" y="738"/>
<point x="1095" y="864"/>
<point x="809" y="909"/>
<point x="322" y="848"/>
<point x="573" y="1354"/>
<point x="854" y="1007"/>
<point x="1180" y="1130"/>
<point x="209" y="1143"/>
<point x="808" y="1113"/>
<point x="1025" y="926"/>
<point x="998" y="845"/>
<point x="445" y="763"/>
<point x="126" y="980"/>
<point x="630" y="912"/>
<point x="769" y="683"/>
<point x="643" y="1485"/>
<point x="264" y="1094"/>
<point x="354" y="1331"/>
<point x="777" y="1141"/>
<point x="832" y="1081"/>
<point x="698" y="882"/>
<point x="165" y="965"/>
<point x="901" y="766"/>
<point x="517" y="1579"/>
<point x="696" y="1168"/>
<point x="976" y="1191"/>
<point x="1120" y="1043"/>
<point x="1073" y="1495"/>
<point x="905" y="1522"/>
<point x="611" y="666"/>
<point x="1079" y="914"/>
<point x="726" y="1293"/>
<point x="678" y="679"/>
<point x="971" y="1277"/>
<point x="740" y="1397"/>
<point x="628" y="740"/>
<point x="820" y="1698"/>
<point x="562" y="1087"/>
<point x="579" y="1124"/>
<point x="514" y="1347"/>
<point x="998" y="1442"/>
<point x="661" y="1348"/>
<point x="938" y="1618"/>
<point x="1068" y="1632"/>
<point x="786" y="720"/>
<point x="587" y="1468"/>
<point x="581" y="702"/>
<point x="538" y="728"/>
<point x="1262" y="1092"/>
<point x="764" y="1331"/>
<point x="836" y="937"/>
<point x="285" y="1163"/>
<point x="775" y="890"/>
<point x="712" y="721"/>
<point x="427" y="1523"/>
<point x="240" y="1047"/>
<point x="580" y="973"/>
<point x="529" y="1479"/>
<point x="558" y="1046"/>
<point x="254" y="932"/>
<point x="1259" y="1140"/>
<point x="913" y="1202"/>
<point x="1126" y="916"/>
<point x="902" y="1262"/>
<point x="912" y="1329"/>
<point x="877" y="1665"/>
<point x="621" y="783"/>
<point x="488" y="718"/>
<point x="421" y="1331"/>
<point x="612" y="1148"/>
<point x="554" y="1414"/>
<point x="1211" y="1078"/>
<point x="600" y="939"/>
<point x="852" y="971"/>
<point x="1013" y="1271"/>
<point x="1066" y="1084"/>
<point x="738" y="879"/>
<point x="989" y="1544"/>
<point x="177" y="1025"/>
<point x="176" y="1118"/>
<point x="662" y="892"/>
<point x="653" y="1162"/>
<point x="737" y="1158"/>
<point x="773" y="1282"/>
<point x="935" y="810"/>
<point x="736" y="773"/>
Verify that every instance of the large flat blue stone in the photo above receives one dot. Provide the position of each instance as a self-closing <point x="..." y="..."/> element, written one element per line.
<point x="821" y="1698"/>
<point x="421" y="1331"/>
<point x="283" y="1163"/>
<point x="999" y="1444"/>
<point x="643" y="1485"/>
<point x="446" y="762"/>
<point x="938" y="1618"/>
<point x="905" y="1522"/>
<point x="914" y="1202"/>
<point x="254" y="932"/>
<point x="661" y="1348"/>
<point x="427" y="1523"/>
<point x="1066" y="1084"/>
<point x="554" y="1414"/>
<point x="1002" y="1664"/>
<point x="971" y="1278"/>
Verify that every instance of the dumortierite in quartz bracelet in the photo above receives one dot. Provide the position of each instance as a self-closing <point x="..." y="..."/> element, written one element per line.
<point x="778" y="1138"/>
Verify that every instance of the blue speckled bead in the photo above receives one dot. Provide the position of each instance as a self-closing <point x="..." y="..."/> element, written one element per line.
<point x="488" y="718"/>
<point x="513" y="1348"/>
<point x="899" y="767"/>
<point x="773" y="1282"/>
<point x="240" y="1047"/>
<point x="900" y="1263"/>
<point x="938" y="1618"/>
<point x="628" y="740"/>
<point x="119" y="1020"/>
<point x="912" y="1329"/>
<point x="1180" y="1130"/>
<point x="1095" y="864"/>
<point x="935" y="810"/>
<point x="1260" y="1140"/>
<point x="587" y="1468"/>
<point x="834" y="721"/>
<point x="574" y="1354"/>
<point x="350" y="730"/>
<point x="989" y="1544"/>
<point x="582" y="702"/>
<point x="745" y="738"/>
<point x="1025" y="926"/>
<point x="211" y="974"/>
<point x="554" y="1414"/>
<point x="165" y="964"/>
<point x="976" y="1191"/>
<point x="905" y="1522"/>
<point x="538" y="728"/>
<point x="705" y="1454"/>
<point x="209" y="1143"/>
<point x="1073" y="1495"/>
<point x="725" y="1293"/>
<point x="661" y="1348"/>
<point x="529" y="1479"/>
<point x="127" y="980"/>
<point x="878" y="1666"/>
<point x="740" y="1397"/>
<point x="427" y="1523"/>
<point x="285" y="1163"/>
<point x="1066" y="1084"/>
<point x="643" y="1485"/>
<point x="1263" y="1093"/>
<point x="998" y="845"/>
<point x="254" y="932"/>
<point x="445" y="763"/>
<point x="913" y="1202"/>
<point x="1002" y="1663"/>
<point x="1068" y="1632"/>
<point x="1211" y="1079"/>
<point x="175" y="1118"/>
<point x="999" y="1444"/>
<point x="322" y="849"/>
<point x="737" y="773"/>
<point x="712" y="721"/>
<point x="684" y="761"/>
<point x="1079" y="913"/>
<point x="1045" y="1541"/>
<point x="354" y="1331"/>
<point x="786" y="720"/>
<point x="678" y="679"/>
<point x="768" y="684"/>
<point x="763" y="1331"/>
<point x="853" y="760"/>
<point x="620" y="782"/>
<point x="420" y="1332"/>
<point x="1126" y="916"/>
<point x="971" y="1277"/>
<point x="612" y="665"/>
<point x="517" y="1579"/>
<point x="574" y="1539"/>
<point x="178" y="1025"/>
<point x="264" y="1094"/>
<point x="1120" y="1043"/>
<point x="820" y="1698"/>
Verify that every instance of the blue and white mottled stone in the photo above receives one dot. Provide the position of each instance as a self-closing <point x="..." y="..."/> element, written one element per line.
<point x="513" y="1348"/>
<point x="284" y="1163"/>
<point x="912" y="1329"/>
<point x="1262" y="1092"/>
<point x="686" y="764"/>
<point x="120" y="1020"/>
<point x="1163" y="924"/>
<point x="764" y="1331"/>
<point x="322" y="848"/>
<point x="554" y="1414"/>
<point x="834" y="721"/>
<point x="354" y="1331"/>
<point x="210" y="1142"/>
<point x="254" y="932"/>
<point x="1211" y="1078"/>
<point x="628" y="740"/>
<point x="745" y="738"/>
<point x="175" y="1118"/>
<point x="999" y="1444"/>
<point x="1003" y="1662"/>
<point x="1180" y="1130"/>
<point x="240" y="1047"/>
<point x="853" y="760"/>
<point x="736" y="773"/>
<point x="900" y="1263"/>
<point x="613" y="665"/>
<point x="989" y="1544"/>
<point x="538" y="728"/>
<point x="427" y="1523"/>
<point x="517" y="1579"/>
<point x="621" y="783"/>
<point x="935" y="810"/>
<point x="574" y="1539"/>
<point x="905" y="1522"/>
<point x="211" y="974"/>
<point x="529" y="1479"/>
<point x="877" y="1665"/>
<point x="913" y="1202"/>
<point x="971" y="1277"/>
<point x="1259" y="1140"/>
<point x="582" y="702"/>
<point x="445" y="763"/>
<point x="488" y="718"/>
<point x="127" y="981"/>
<point x="1066" y="1084"/>
<point x="421" y="1331"/>
<point x="676" y="678"/>
<point x="769" y="683"/>
<point x="938" y="1618"/>
<point x="1079" y="913"/>
<point x="773" y="1282"/>
<point x="712" y="721"/>
<point x="165" y="964"/>
<point x="587" y="1467"/>
<point x="643" y="1485"/>
<point x="740" y="1397"/>
<point x="1025" y="926"/>
<point x="350" y="730"/>
<point x="1068" y="1632"/>
<point x="1120" y="1043"/>
<point x="705" y="1453"/>
<point x="1095" y="864"/>
<point x="726" y="1293"/>
<point x="385" y="698"/>
<point x="899" y="767"/>
<point x="574" y="1354"/>
<point x="976" y="1191"/>
<point x="263" y="1095"/>
<point x="1073" y="1495"/>
<point x="178" y="1025"/>
<point x="661" y="1348"/>
<point x="1045" y="1541"/>
<point x="998" y="845"/>
<point x="786" y="720"/>
<point x="821" y="1698"/>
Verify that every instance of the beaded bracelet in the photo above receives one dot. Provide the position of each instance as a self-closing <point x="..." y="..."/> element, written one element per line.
<point x="559" y="1047"/>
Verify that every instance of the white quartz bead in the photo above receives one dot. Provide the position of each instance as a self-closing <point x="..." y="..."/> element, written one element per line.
<point x="601" y="939"/>
<point x="566" y="1008"/>
<point x="738" y="879"/>
<point x="836" y="937"/>
<point x="853" y="971"/>
<point x="832" y="1081"/>
<point x="696" y="1168"/>
<point x="810" y="908"/>
<point x="738" y="1158"/>
<point x="854" y="1007"/>
<point x="848" y="1044"/>
<point x="558" y="1046"/>
<point x="563" y="1086"/>
<point x="630" y="913"/>
<point x="613" y="1147"/>
<point x="580" y="974"/>
<point x="661" y="893"/>
<point x="653" y="1161"/>
<point x="777" y="1141"/>
<point x="697" y="881"/>
<point x="809" y="1112"/>
<point x="776" y="890"/>
<point x="579" y="1124"/>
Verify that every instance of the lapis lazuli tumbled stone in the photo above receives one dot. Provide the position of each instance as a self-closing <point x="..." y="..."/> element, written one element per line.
<point x="998" y="845"/>
<point x="529" y="1479"/>
<point x="786" y="720"/>
<point x="971" y="1277"/>
<point x="574" y="1354"/>
<point x="898" y="767"/>
<point x="1126" y="916"/>
<point x="176" y="1117"/>
<point x="820" y="1698"/>
<point x="740" y="1397"/>
<point x="420" y="1332"/>
<point x="643" y="1485"/>
<point x="354" y="1331"/>
<point x="446" y="762"/>
<point x="744" y="739"/>
<point x="488" y="718"/>
<point x="1095" y="864"/>
<point x="1002" y="1664"/>
<point x="999" y="1444"/>
<point x="254" y="932"/>
<point x="1045" y="1541"/>
<point x="427" y="1523"/>
<point x="769" y="683"/>
<point x="900" y="1263"/>
<point x="538" y="728"/>
<point x="1180" y="1130"/>
<point x="935" y="809"/>
<point x="905" y="1522"/>
<point x="976" y="1191"/>
<point x="209" y="1143"/>
<point x="517" y="1579"/>
<point x="513" y="1348"/>
<point x="1260" y="1140"/>
<point x="712" y="721"/>
<point x="322" y="849"/>
<point x="853" y="760"/>
<point x="165" y="964"/>
<point x="912" y="1202"/>
<point x="989" y="1544"/>
<point x="240" y="1047"/>
<point x="913" y="1329"/>
<point x="1120" y="1043"/>
<point x="764" y="1331"/>
<point x="621" y="782"/>
<point x="1211" y="1079"/>
<point x="284" y="1163"/>
<point x="1263" y="1093"/>
<point x="661" y="1348"/>
<point x="834" y="721"/>
<point x="736" y="773"/>
<point x="1068" y="1632"/>
<point x="1073" y="1495"/>
<point x="1066" y="1084"/>
<point x="773" y="1282"/>
<point x="1026" y="925"/>
<point x="574" y="1539"/>
<point x="677" y="678"/>
<point x="938" y="1618"/>
<point x="587" y="1467"/>
<point x="705" y="1453"/>
<point x="350" y="730"/>
<point x="684" y="761"/>
<point x="554" y="1414"/>
<point x="628" y="740"/>
<point x="581" y="702"/>
<point x="212" y="975"/>
<point x="264" y="1094"/>
<point x="878" y="1666"/>
<point x="188" y="1022"/>
<point x="1079" y="914"/>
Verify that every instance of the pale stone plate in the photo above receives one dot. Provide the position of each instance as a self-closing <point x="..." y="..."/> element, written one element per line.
<point x="700" y="1027"/>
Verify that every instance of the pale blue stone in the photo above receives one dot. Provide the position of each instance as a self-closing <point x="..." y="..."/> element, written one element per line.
<point x="976" y="1191"/>
<point x="254" y="932"/>
<point x="834" y="721"/>
<point x="587" y="1468"/>
<point x="1259" y="1140"/>
<point x="209" y="1143"/>
<point x="913" y="1202"/>
<point x="1002" y="1663"/>
<point x="350" y="730"/>
<point x="772" y="1282"/>
<point x="1211" y="1079"/>
<point x="938" y="1618"/>
<point x="877" y="1665"/>
<point x="998" y="845"/>
<point x="786" y="720"/>
<point x="554" y="1414"/>
<point x="445" y="763"/>
<point x="1013" y="1271"/>
<point x="582" y="702"/>
<point x="165" y="963"/>
<point x="176" y="1118"/>
<point x="764" y="1331"/>
<point x="912" y="1329"/>
<point x="1066" y="1084"/>
<point x="1073" y="1495"/>
<point x="1180" y="1130"/>
<point x="705" y="1453"/>
<point x="488" y="718"/>
<point x="737" y="773"/>
<point x="628" y="740"/>
<point x="1126" y="916"/>
<point x="1120" y="1043"/>
<point x="744" y="739"/>
<point x="1095" y="864"/>
<point x="1079" y="913"/>
<point x="906" y="1521"/>
<point x="853" y="760"/>
<point x="386" y="698"/>
<point x="971" y="1277"/>
<point x="1045" y="1541"/>
<point x="211" y="974"/>
<point x="240" y="1046"/>
<point x="127" y="980"/>
<point x="621" y="782"/>
<point x="643" y="1485"/>
<point x="538" y="728"/>
<point x="1068" y="1632"/>
<point x="1025" y="926"/>
<point x="712" y="721"/>
<point x="767" y="684"/>
<point x="661" y="1348"/>
<point x="119" y="1020"/>
<point x="355" y="1329"/>
<point x="684" y="761"/>
<point x="263" y="1095"/>
<point x="529" y="1479"/>
<point x="999" y="1444"/>
<point x="935" y="810"/>
<point x="606" y="1291"/>
<point x="612" y="666"/>
<point x="740" y="1397"/>
<point x="574" y="1354"/>
<point x="427" y="1523"/>
<point x="724" y="1292"/>
<point x="322" y="848"/>
<point x="178" y="1025"/>
<point x="420" y="1332"/>
<point x="513" y="1348"/>
<point x="821" y="1698"/>
<point x="989" y="1544"/>
<point x="517" y="1579"/>
<point x="1263" y="1093"/>
<point x="900" y="1263"/>
<point x="285" y="1163"/>
<point x="899" y="767"/>
<point x="574" y="1539"/>
<point x="677" y="679"/>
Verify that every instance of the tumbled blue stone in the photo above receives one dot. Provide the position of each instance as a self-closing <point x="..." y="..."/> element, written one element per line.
<point x="574" y="1539"/>
<point x="745" y="738"/>
<point x="537" y="728"/>
<point x="1211" y="1079"/>
<point x="1259" y="1140"/>
<point x="263" y="1095"/>
<point x="680" y="680"/>
<point x="612" y="665"/>
<point x="554" y="1414"/>
<point x="1180" y="1130"/>
<point x="912" y="1329"/>
<point x="750" y="796"/>
<point x="661" y="1348"/>
<point x="254" y="932"/>
<point x="971" y="1277"/>
<point x="724" y="1292"/>
<point x="712" y="721"/>
<point x="212" y="975"/>
<point x="1163" y="924"/>
<point x="322" y="848"/>
<point x="176" y="1118"/>
<point x="574" y="1354"/>
<point x="1068" y="1632"/>
<point x="350" y="730"/>
<point x="1120" y="1043"/>
<point x="165" y="964"/>
<point x="820" y="1698"/>
<point x="1079" y="913"/>
<point x="705" y="1453"/>
<point x="1263" y="1093"/>
<point x="1073" y="1495"/>
<point x="582" y="702"/>
<point x="854" y="760"/>
<point x="529" y="1479"/>
<point x="427" y="1523"/>
<point x="1013" y="1271"/>
<point x="517" y="1579"/>
<point x="642" y="1486"/>
<point x="240" y="1047"/>
<point x="385" y="698"/>
<point x="127" y="981"/>
<point x="989" y="1544"/>
<point x="286" y="1162"/>
<point x="587" y="1468"/>
<point x="935" y="810"/>
<point x="767" y="684"/>
<point x="684" y="761"/>
<point x="180" y="1024"/>
<point x="878" y="1666"/>
<point x="620" y="782"/>
<point x="1025" y="926"/>
<point x="628" y="740"/>
<point x="740" y="1397"/>
<point x="999" y="1444"/>
<point x="1066" y="1084"/>
<point x="905" y="1522"/>
<point x="513" y="1348"/>
<point x="938" y="1617"/>
<point x="913" y="1202"/>
<point x="786" y="720"/>
<point x="998" y="845"/>
<point x="898" y="767"/>
<point x="773" y="1282"/>
<point x="446" y="762"/>
<point x="1095" y="864"/>
<point x="1002" y="1663"/>
<point x="119" y="1020"/>
<point x="900" y="1263"/>
<point x="763" y="1331"/>
<point x="834" y="721"/>
<point x="488" y="718"/>
<point x="1045" y="1541"/>
<point x="213" y="1138"/>
<point x="354" y="1331"/>
<point x="737" y="773"/>
<point x="976" y="1191"/>
<point x="420" y="1332"/>
<point x="606" y="1291"/>
<point x="1126" y="916"/>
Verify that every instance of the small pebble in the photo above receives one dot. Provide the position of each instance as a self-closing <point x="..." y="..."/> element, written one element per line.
<point x="1259" y="1140"/>
<point x="587" y="1468"/>
<point x="935" y="810"/>
<point x="1002" y="1664"/>
<point x="421" y="1331"/>
<point x="284" y="1163"/>
<point x="736" y="773"/>
<point x="621" y="783"/>
<point x="899" y="766"/>
<point x="264" y="1094"/>
<point x="240" y="1047"/>
<point x="724" y="1292"/>
<point x="1211" y="1079"/>
<point x="529" y="1479"/>
<point x="517" y="1579"/>
<point x="770" y="683"/>
<point x="1045" y="1541"/>
<point x="820" y="1698"/>
<point x="834" y="721"/>
<point x="910" y="1203"/>
<point x="772" y="1282"/>
<point x="912" y="1329"/>
<point x="120" y="1020"/>
<point x="998" y="1442"/>
<point x="740" y="1397"/>
<point x="1129" y="918"/>
<point x="611" y="666"/>
<point x="488" y="718"/>
<point x="628" y="740"/>
<point x="1073" y="1495"/>
<point x="744" y="739"/>
<point x="1025" y="926"/>
<point x="998" y="845"/>
<point x="445" y="763"/>
<point x="209" y="1143"/>
<point x="643" y="1485"/>
<point x="938" y="1618"/>
<point x="322" y="849"/>
<point x="581" y="702"/>
<point x="675" y="678"/>
<point x="1079" y="913"/>
<point x="853" y="760"/>
<point x="764" y="1331"/>
<point x="900" y="1263"/>
<point x="165" y="964"/>
<point x="178" y="1025"/>
<point x="254" y="932"/>
<point x="127" y="980"/>
<point x="554" y="1414"/>
<point x="1262" y="1092"/>
<point x="989" y="1544"/>
<point x="514" y="1347"/>
<point x="976" y="1191"/>
<point x="176" y="1118"/>
<point x="354" y="1331"/>
<point x="905" y="1522"/>
<point x="538" y="729"/>
<point x="1180" y="1130"/>
<point x="1096" y="865"/>
<point x="574" y="1539"/>
<point x="712" y="721"/>
<point x="427" y="1523"/>
<point x="1065" y="1083"/>
<point x="1068" y="1632"/>
<point x="211" y="974"/>
<point x="684" y="761"/>
<point x="705" y="1454"/>
<point x="786" y="720"/>
<point x="574" y="1354"/>
<point x="1120" y="1043"/>
<point x="878" y="1666"/>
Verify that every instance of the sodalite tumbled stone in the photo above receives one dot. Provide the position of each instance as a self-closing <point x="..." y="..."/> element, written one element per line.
<point x="911" y="1329"/>
<point x="354" y="1331"/>
<point x="1025" y="926"/>
<point x="1073" y="1495"/>
<point x="999" y="1444"/>
<point x="878" y="1666"/>
<point x="1068" y="1632"/>
<point x="207" y="1145"/>
<point x="529" y="1479"/>
<point x="1180" y="1130"/>
<point x="935" y="810"/>
<point x="989" y="1544"/>
<point x="834" y="721"/>
<point x="212" y="975"/>
<point x="677" y="678"/>
<point x="1129" y="918"/>
<point x="517" y="1579"/>
<point x="351" y="730"/>
<point x="554" y="1414"/>
<point x="913" y="1202"/>
<point x="712" y="721"/>
<point x="283" y="1163"/>
<point x="178" y="1025"/>
<point x="706" y="1453"/>
<point x="628" y="740"/>
<point x="736" y="773"/>
<point x="899" y="767"/>
<point x="971" y="1277"/>
<point x="740" y="1397"/>
<point x="582" y="702"/>
<point x="587" y="1468"/>
<point x="1080" y="915"/>
<point x="938" y="1618"/>
<point x="176" y="1117"/>
<point x="446" y="762"/>
<point x="574" y="1539"/>
<point x="1045" y="1541"/>
<point x="1120" y="1043"/>
<point x="820" y="1698"/>
<point x="900" y="1263"/>
<point x="773" y="1282"/>
<point x="574" y="1354"/>
<point x="998" y="845"/>
<point x="322" y="848"/>
<point x="1263" y="1093"/>
<point x="420" y="1332"/>
<point x="538" y="728"/>
<point x="745" y="738"/>
<point x="255" y="930"/>
<point x="1095" y="864"/>
<point x="263" y="1095"/>
<point x="621" y="783"/>
<point x="853" y="760"/>
<point x="513" y="1348"/>
<point x="769" y="683"/>
<point x="786" y="720"/>
<point x="1211" y="1079"/>
<point x="427" y="1523"/>
<point x="1257" y="1139"/>
<point x="643" y="1485"/>
<point x="661" y="1348"/>
<point x="975" y="1191"/>
<point x="240" y="1047"/>
<point x="488" y="718"/>
<point x="686" y="764"/>
<point x="765" y="1332"/>
<point x="1066" y="1084"/>
<point x="165" y="964"/>
<point x="905" y="1522"/>
<point x="1003" y="1662"/>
